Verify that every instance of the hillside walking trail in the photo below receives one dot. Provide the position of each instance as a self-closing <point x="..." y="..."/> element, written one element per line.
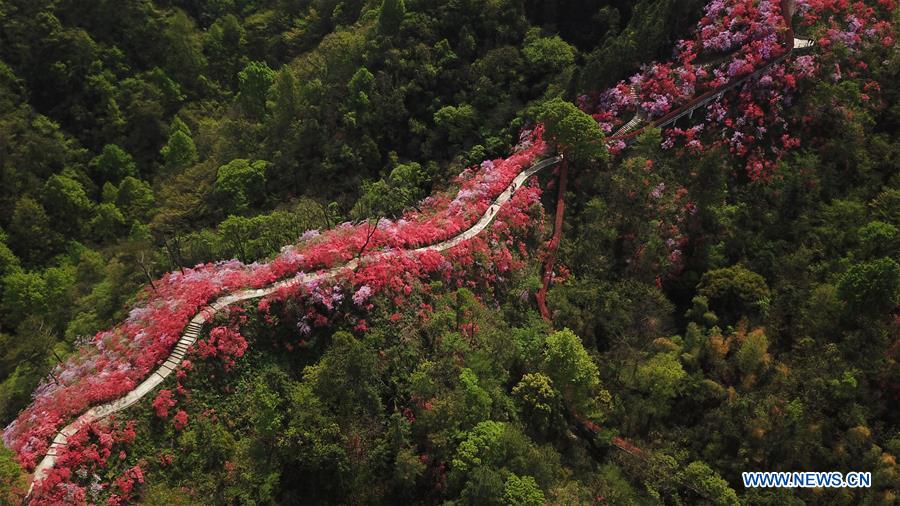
<point x="192" y="331"/>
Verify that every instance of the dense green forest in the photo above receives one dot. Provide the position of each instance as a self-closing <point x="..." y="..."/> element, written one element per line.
<point x="714" y="321"/>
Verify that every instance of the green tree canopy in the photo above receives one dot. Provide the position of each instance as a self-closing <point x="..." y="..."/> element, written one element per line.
<point x="241" y="183"/>
<point x="254" y="82"/>
<point x="392" y="13"/>
<point x="179" y="151"/>
<point x="135" y="200"/>
<point x="572" y="371"/>
<point x="67" y="203"/>
<point x="575" y="133"/>
<point x="547" y="54"/>
<point x="30" y="233"/>
<point x="871" y="288"/>
<point x="522" y="491"/>
<point x="733" y="291"/>
<point x="458" y="122"/>
<point x="13" y="479"/>
<point x="112" y="164"/>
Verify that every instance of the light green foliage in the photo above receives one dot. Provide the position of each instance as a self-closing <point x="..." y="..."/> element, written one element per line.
<point x="162" y="494"/>
<point x="711" y="486"/>
<point x="700" y="313"/>
<point x="179" y="152"/>
<point x="539" y="399"/>
<point x="476" y="448"/>
<point x="548" y="54"/>
<point x="24" y="293"/>
<point x="135" y="199"/>
<point x="109" y="193"/>
<point x="9" y="262"/>
<point x="13" y="479"/>
<point x="661" y="376"/>
<point x="360" y="87"/>
<point x="571" y="369"/>
<point x="878" y="238"/>
<point x="108" y="222"/>
<point x="573" y="132"/>
<point x="752" y="353"/>
<point x="475" y="400"/>
<point x="522" y="491"/>
<point x="254" y="82"/>
<point x="241" y="183"/>
<point x="536" y="391"/>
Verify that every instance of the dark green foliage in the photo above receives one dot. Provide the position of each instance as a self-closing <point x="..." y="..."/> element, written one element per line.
<point x="733" y="291"/>
<point x="391" y="15"/>
<point x="871" y="288"/>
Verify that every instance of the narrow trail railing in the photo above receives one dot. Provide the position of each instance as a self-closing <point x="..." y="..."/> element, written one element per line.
<point x="626" y="134"/>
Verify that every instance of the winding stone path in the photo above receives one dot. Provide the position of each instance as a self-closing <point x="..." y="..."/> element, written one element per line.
<point x="192" y="331"/>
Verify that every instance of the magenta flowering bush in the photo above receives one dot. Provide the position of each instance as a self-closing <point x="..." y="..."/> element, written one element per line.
<point x="223" y="343"/>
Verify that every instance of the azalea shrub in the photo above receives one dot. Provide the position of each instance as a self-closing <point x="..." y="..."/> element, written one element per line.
<point x="76" y="478"/>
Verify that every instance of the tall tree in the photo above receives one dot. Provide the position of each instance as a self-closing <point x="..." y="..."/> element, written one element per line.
<point x="254" y="82"/>
<point x="392" y="14"/>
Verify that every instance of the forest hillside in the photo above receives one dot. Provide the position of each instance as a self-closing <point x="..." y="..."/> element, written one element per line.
<point x="465" y="252"/>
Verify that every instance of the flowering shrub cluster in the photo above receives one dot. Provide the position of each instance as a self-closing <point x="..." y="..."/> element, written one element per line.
<point x="223" y="343"/>
<point x="115" y="361"/>
<point x="749" y="30"/>
<point x="87" y="452"/>
<point x="479" y="262"/>
<point x="735" y="38"/>
<point x="163" y="403"/>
